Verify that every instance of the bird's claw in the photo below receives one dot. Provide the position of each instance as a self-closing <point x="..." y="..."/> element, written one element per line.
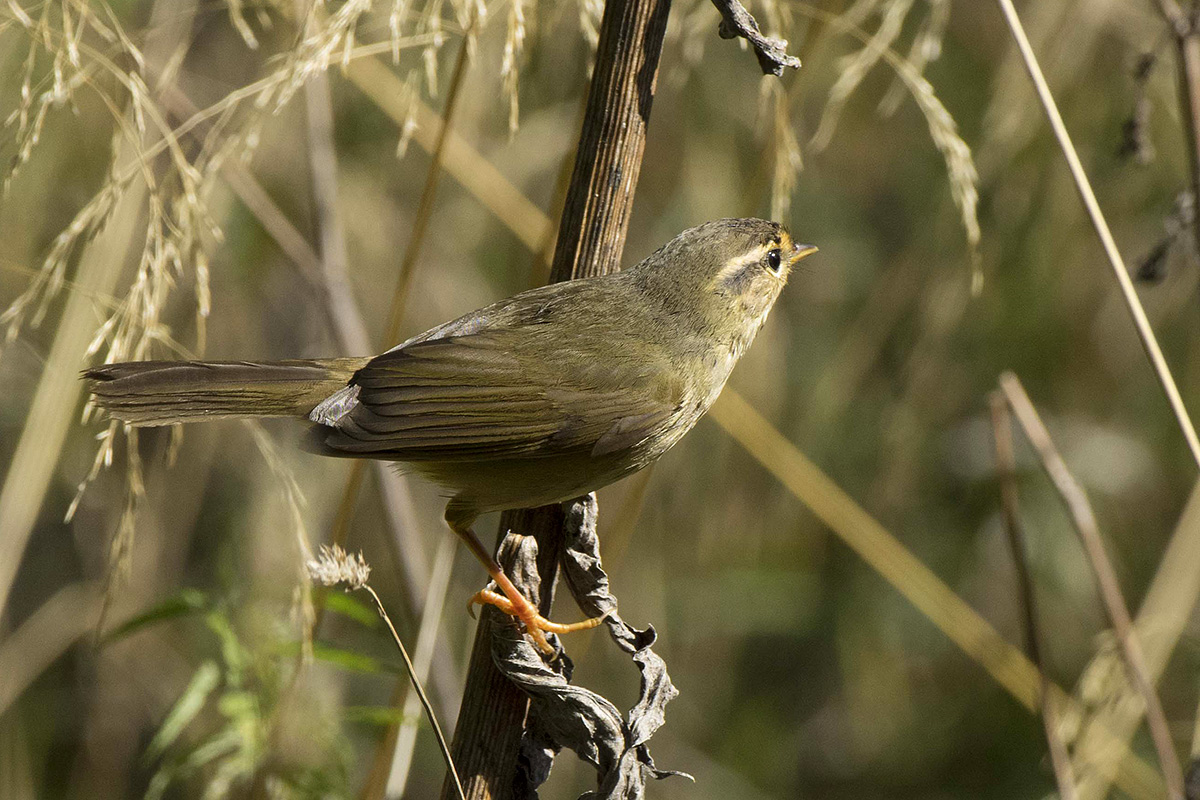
<point x="535" y="624"/>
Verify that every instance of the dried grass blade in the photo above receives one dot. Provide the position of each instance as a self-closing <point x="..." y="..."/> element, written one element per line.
<point x="1006" y="467"/>
<point x="1084" y="520"/>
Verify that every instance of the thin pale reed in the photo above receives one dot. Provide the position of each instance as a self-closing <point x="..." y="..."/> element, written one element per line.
<point x="1084" y="520"/>
<point x="1084" y="186"/>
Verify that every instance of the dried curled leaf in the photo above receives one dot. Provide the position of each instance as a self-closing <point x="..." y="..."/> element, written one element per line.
<point x="563" y="715"/>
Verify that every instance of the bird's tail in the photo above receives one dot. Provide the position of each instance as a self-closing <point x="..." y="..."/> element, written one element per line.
<point x="166" y="392"/>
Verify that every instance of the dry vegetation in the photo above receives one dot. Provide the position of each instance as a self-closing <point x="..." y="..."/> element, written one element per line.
<point x="170" y="191"/>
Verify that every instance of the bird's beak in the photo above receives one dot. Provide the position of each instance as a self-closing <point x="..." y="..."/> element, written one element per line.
<point x="801" y="251"/>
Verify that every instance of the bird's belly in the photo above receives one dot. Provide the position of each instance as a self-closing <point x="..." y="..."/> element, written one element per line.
<point x="496" y="485"/>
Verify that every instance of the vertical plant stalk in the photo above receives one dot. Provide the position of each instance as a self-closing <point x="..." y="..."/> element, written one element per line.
<point x="348" y="325"/>
<point x="401" y="755"/>
<point x="1084" y="520"/>
<point x="452" y="777"/>
<point x="591" y="238"/>
<point x="333" y="566"/>
<point x="1145" y="332"/>
<point x="1006" y="467"/>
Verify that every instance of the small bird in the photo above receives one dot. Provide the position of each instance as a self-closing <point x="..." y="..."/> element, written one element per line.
<point x="537" y="399"/>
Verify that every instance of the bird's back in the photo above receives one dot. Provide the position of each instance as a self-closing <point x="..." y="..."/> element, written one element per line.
<point x="528" y="401"/>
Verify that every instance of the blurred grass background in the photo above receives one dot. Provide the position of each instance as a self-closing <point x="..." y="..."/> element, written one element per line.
<point x="803" y="673"/>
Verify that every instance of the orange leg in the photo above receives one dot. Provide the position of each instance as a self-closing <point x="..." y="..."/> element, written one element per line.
<point x="510" y="600"/>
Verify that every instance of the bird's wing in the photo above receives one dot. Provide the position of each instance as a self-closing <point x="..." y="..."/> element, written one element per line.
<point x="480" y="397"/>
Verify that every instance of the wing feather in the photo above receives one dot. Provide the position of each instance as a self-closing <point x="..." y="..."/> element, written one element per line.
<point x="476" y="397"/>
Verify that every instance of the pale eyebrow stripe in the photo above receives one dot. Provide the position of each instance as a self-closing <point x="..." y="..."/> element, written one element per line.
<point x="738" y="263"/>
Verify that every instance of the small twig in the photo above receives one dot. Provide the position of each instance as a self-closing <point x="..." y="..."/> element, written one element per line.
<point x="1084" y="520"/>
<point x="737" y="21"/>
<point x="1006" y="467"/>
<point x="1145" y="332"/>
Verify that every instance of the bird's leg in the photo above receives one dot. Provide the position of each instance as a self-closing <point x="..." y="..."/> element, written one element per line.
<point x="510" y="600"/>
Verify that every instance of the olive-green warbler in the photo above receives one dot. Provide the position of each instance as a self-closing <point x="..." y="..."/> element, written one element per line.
<point x="537" y="399"/>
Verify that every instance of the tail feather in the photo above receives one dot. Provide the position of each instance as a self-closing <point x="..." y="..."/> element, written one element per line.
<point x="148" y="393"/>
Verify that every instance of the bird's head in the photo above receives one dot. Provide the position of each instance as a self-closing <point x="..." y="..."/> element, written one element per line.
<point x="724" y="276"/>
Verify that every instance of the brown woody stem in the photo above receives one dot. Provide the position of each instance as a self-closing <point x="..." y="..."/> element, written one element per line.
<point x="591" y="238"/>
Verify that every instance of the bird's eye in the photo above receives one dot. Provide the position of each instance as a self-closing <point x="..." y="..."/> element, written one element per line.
<point x="774" y="259"/>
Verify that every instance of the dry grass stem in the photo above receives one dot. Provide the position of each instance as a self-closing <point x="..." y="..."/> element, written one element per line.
<point x="1145" y="332"/>
<point x="1084" y="520"/>
<point x="514" y="46"/>
<point x="412" y="673"/>
<point x="1161" y="621"/>
<point x="427" y="634"/>
<point x="348" y="325"/>
<point x="334" y="567"/>
<point x="1006" y="467"/>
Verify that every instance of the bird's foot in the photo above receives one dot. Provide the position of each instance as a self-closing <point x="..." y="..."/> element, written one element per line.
<point x="537" y="626"/>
